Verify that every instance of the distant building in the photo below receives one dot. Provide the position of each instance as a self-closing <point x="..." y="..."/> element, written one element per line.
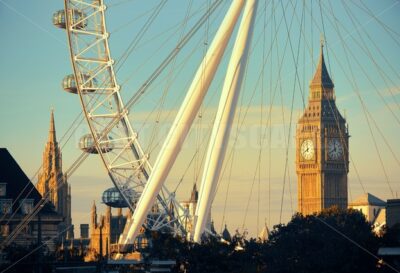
<point x="53" y="183"/>
<point x="393" y="212"/>
<point x="18" y="198"/>
<point x="264" y="233"/>
<point x="105" y="232"/>
<point x="191" y="206"/>
<point x="373" y="208"/>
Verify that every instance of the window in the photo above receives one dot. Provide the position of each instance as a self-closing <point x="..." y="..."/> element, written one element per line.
<point x="26" y="206"/>
<point x="3" y="188"/>
<point x="5" y="206"/>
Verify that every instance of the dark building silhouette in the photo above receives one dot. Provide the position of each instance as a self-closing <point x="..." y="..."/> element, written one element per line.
<point x="18" y="198"/>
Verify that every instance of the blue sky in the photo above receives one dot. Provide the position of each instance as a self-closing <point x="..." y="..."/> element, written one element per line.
<point x="34" y="59"/>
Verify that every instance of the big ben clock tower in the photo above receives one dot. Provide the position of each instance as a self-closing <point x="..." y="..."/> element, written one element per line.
<point x="322" y="142"/>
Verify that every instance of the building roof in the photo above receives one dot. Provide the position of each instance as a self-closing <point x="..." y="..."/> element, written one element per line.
<point x="368" y="199"/>
<point x="18" y="185"/>
<point x="321" y="76"/>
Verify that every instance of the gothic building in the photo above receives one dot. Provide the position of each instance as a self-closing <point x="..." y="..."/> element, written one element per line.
<point x="322" y="142"/>
<point x="190" y="206"/>
<point x="105" y="231"/>
<point x="53" y="183"/>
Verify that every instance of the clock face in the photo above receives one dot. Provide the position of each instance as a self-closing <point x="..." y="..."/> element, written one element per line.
<point x="335" y="149"/>
<point x="307" y="149"/>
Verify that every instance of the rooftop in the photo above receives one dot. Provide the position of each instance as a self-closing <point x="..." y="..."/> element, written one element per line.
<point x="367" y="199"/>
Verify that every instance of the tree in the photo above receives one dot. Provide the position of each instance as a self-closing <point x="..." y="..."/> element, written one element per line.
<point x="323" y="242"/>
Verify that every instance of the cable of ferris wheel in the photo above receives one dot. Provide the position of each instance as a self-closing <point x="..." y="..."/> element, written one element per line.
<point x="166" y="31"/>
<point x="181" y="67"/>
<point x="371" y="117"/>
<point x="169" y="80"/>
<point x="335" y="114"/>
<point x="350" y="155"/>
<point x="349" y="34"/>
<point x="269" y="123"/>
<point x="353" y="82"/>
<point x="242" y="119"/>
<point x="118" y="3"/>
<point x="262" y="136"/>
<point x="133" y="20"/>
<point x="136" y="39"/>
<point x="376" y="125"/>
<point x="171" y="56"/>
<point x="366" y="50"/>
<point x="313" y="22"/>
<point x="378" y="49"/>
<point x="167" y="60"/>
<point x="261" y="111"/>
<point x="296" y="80"/>
<point x="388" y="29"/>
<point x="197" y="153"/>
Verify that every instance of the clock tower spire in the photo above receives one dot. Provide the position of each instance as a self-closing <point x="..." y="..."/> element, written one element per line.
<point x="321" y="147"/>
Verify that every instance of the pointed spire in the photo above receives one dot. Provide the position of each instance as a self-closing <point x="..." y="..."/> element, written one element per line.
<point x="226" y="235"/>
<point x="321" y="77"/>
<point x="195" y="194"/>
<point x="52" y="130"/>
<point x="264" y="234"/>
<point x="212" y="228"/>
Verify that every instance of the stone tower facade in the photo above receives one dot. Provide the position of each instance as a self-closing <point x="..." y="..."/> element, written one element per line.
<point x="53" y="183"/>
<point x="105" y="230"/>
<point x="322" y="148"/>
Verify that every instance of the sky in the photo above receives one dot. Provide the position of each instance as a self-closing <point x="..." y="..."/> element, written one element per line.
<point x="362" y="53"/>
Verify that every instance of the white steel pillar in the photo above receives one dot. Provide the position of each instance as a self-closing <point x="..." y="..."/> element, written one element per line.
<point x="184" y="119"/>
<point x="223" y="121"/>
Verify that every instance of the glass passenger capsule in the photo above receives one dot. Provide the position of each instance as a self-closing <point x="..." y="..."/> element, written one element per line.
<point x="87" y="145"/>
<point x="77" y="19"/>
<point x="113" y="198"/>
<point x="69" y="83"/>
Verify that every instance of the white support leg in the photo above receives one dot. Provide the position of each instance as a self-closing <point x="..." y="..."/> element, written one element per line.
<point x="223" y="121"/>
<point x="184" y="119"/>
